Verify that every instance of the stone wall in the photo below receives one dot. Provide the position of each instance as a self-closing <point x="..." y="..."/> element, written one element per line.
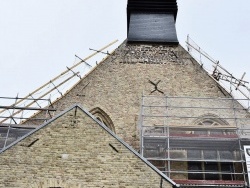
<point x="116" y="85"/>
<point x="74" y="151"/>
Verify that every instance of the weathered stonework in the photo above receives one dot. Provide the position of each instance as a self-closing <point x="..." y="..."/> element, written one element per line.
<point x="117" y="84"/>
<point x="74" y="151"/>
<point x="113" y="93"/>
<point x="149" y="54"/>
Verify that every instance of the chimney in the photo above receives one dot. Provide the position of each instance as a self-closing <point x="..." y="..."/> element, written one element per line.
<point x="152" y="21"/>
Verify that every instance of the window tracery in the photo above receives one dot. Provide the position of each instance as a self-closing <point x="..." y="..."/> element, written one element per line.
<point x="210" y="120"/>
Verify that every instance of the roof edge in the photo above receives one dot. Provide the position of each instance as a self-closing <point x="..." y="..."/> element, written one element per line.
<point x="128" y="147"/>
<point x="74" y="85"/>
<point x="102" y="126"/>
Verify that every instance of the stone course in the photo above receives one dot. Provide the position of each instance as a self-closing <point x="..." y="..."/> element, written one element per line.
<point x="117" y="84"/>
<point x="74" y="151"/>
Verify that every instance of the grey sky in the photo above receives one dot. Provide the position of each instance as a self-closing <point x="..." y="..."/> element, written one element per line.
<point x="38" y="39"/>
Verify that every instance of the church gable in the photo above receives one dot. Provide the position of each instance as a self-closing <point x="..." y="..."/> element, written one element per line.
<point x="117" y="84"/>
<point x="153" y="94"/>
<point x="74" y="150"/>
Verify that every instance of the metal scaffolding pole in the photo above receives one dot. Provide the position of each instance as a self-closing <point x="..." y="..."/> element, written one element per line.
<point x="62" y="74"/>
<point x="168" y="141"/>
<point x="239" y="136"/>
<point x="141" y="127"/>
<point x="168" y="134"/>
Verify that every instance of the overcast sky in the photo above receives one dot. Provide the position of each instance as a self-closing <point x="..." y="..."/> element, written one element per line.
<point x="39" y="38"/>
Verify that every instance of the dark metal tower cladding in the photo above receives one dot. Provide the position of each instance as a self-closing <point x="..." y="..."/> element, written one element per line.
<point x="152" y="21"/>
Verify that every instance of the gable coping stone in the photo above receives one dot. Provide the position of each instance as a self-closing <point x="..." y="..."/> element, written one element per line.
<point x="103" y="127"/>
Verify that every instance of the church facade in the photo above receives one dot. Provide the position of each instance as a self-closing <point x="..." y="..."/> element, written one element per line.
<point x="154" y="95"/>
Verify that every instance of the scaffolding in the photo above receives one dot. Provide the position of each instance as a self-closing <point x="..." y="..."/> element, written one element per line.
<point x="9" y="133"/>
<point x="237" y="87"/>
<point x="26" y="108"/>
<point x="196" y="140"/>
<point x="15" y="114"/>
<point x="27" y="113"/>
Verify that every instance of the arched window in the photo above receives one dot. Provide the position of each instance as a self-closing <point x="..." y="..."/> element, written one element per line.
<point x="103" y="118"/>
<point x="209" y="123"/>
<point x="210" y="120"/>
<point x="221" y="170"/>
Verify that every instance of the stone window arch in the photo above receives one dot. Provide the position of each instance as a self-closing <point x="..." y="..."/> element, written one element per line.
<point x="103" y="117"/>
<point x="223" y="170"/>
<point x="210" y="120"/>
